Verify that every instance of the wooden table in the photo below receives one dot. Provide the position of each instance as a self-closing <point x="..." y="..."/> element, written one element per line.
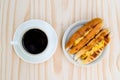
<point x="60" y="14"/>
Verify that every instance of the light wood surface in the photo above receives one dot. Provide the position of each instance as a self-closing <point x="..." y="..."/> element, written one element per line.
<point x="60" y="14"/>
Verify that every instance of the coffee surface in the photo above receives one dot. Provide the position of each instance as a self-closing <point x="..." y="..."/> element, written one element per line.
<point x="34" y="41"/>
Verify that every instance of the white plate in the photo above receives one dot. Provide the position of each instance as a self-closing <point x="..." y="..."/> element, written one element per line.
<point x="73" y="28"/>
<point x="43" y="56"/>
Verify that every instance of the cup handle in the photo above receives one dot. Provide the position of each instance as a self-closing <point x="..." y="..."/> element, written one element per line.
<point x="13" y="43"/>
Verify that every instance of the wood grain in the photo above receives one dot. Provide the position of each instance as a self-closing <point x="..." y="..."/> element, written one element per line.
<point x="60" y="14"/>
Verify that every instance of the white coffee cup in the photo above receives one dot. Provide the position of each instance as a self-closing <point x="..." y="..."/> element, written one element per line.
<point x="48" y="51"/>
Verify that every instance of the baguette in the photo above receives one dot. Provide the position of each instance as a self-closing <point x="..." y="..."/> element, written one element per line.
<point x="99" y="37"/>
<point x="86" y="39"/>
<point x="81" y="32"/>
<point x="97" y="51"/>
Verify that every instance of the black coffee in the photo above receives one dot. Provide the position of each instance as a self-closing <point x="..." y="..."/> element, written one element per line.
<point x="34" y="41"/>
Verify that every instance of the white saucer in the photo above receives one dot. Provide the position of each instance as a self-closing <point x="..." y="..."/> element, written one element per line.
<point x="72" y="29"/>
<point x="47" y="53"/>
